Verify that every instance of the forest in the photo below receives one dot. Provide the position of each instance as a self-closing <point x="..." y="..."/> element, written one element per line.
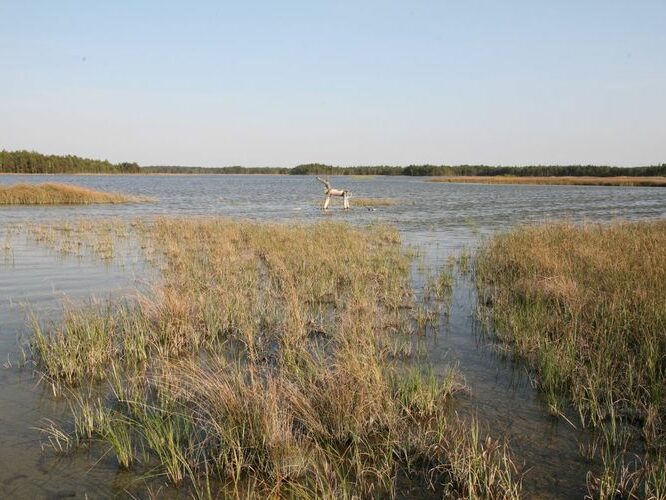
<point x="482" y="170"/>
<point x="30" y="162"/>
<point x="214" y="170"/>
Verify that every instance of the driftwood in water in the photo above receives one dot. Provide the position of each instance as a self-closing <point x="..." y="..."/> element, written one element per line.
<point x="330" y="191"/>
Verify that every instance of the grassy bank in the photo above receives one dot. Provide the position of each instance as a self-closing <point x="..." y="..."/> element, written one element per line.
<point x="268" y="360"/>
<point x="586" y="306"/>
<point x="560" y="181"/>
<point x="57" y="194"/>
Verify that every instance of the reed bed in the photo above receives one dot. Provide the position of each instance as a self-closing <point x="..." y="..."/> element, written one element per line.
<point x="372" y="202"/>
<point x="363" y="202"/>
<point x="261" y="364"/>
<point x="557" y="180"/>
<point x="586" y="306"/>
<point x="58" y="194"/>
<point x="104" y="239"/>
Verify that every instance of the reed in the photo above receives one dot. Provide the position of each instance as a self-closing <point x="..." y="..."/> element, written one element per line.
<point x="557" y="180"/>
<point x="584" y="304"/>
<point x="58" y="194"/>
<point x="260" y="364"/>
<point x="478" y="466"/>
<point x="372" y="202"/>
<point x="106" y="239"/>
<point x="79" y="348"/>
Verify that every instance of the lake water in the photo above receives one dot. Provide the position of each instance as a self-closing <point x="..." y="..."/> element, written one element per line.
<point x="440" y="219"/>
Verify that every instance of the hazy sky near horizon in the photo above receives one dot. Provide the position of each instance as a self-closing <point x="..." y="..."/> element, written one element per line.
<point x="346" y="83"/>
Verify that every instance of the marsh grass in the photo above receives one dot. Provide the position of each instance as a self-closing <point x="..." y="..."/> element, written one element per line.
<point x="7" y="247"/>
<point x="372" y="202"/>
<point x="364" y="202"/>
<point x="585" y="305"/>
<point x="479" y="466"/>
<point x="440" y="286"/>
<point x="104" y="239"/>
<point x="51" y="193"/>
<point x="464" y="261"/>
<point x="557" y="180"/>
<point x="81" y="347"/>
<point x="266" y="360"/>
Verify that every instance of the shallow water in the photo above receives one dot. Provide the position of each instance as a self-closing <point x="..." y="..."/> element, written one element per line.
<point x="440" y="219"/>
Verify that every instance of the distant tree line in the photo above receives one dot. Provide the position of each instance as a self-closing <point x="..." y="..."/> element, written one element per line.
<point x="214" y="170"/>
<point x="482" y="170"/>
<point x="30" y="162"/>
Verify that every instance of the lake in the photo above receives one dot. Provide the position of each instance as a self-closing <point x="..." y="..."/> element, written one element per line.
<point x="438" y="219"/>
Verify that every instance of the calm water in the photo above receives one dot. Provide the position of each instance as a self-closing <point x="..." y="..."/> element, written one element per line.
<point x="441" y="219"/>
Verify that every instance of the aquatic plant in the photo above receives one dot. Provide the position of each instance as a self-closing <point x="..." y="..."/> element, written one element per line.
<point x="478" y="466"/>
<point x="372" y="202"/>
<point x="260" y="363"/>
<point x="584" y="304"/>
<point x="58" y="194"/>
<point x="105" y="239"/>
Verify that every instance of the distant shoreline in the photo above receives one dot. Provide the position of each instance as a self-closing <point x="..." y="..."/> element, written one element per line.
<point x="32" y="162"/>
<point x="617" y="181"/>
<point x="628" y="181"/>
<point x="140" y="174"/>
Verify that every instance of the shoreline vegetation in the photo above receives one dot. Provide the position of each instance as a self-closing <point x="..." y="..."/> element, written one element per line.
<point x="258" y="364"/>
<point x="557" y="180"/>
<point x="268" y="360"/>
<point x="59" y="194"/>
<point x="30" y="162"/>
<point x="584" y="305"/>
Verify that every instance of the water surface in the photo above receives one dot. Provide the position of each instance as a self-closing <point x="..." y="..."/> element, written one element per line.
<point x="440" y="219"/>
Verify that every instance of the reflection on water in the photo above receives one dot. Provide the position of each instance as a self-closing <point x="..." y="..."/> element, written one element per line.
<point x="440" y="219"/>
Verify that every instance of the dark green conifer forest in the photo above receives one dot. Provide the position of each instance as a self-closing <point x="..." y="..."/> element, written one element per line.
<point x="30" y="162"/>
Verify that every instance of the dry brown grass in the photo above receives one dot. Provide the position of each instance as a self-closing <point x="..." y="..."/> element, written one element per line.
<point x="57" y="194"/>
<point x="560" y="181"/>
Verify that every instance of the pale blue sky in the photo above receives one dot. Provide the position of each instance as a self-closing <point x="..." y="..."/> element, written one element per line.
<point x="347" y="83"/>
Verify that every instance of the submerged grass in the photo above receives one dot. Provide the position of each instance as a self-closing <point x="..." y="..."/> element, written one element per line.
<point x="557" y="180"/>
<point x="105" y="239"/>
<point x="586" y="305"/>
<point x="58" y="194"/>
<point x="261" y="365"/>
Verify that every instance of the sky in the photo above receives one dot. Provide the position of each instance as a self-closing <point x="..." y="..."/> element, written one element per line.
<point x="343" y="83"/>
